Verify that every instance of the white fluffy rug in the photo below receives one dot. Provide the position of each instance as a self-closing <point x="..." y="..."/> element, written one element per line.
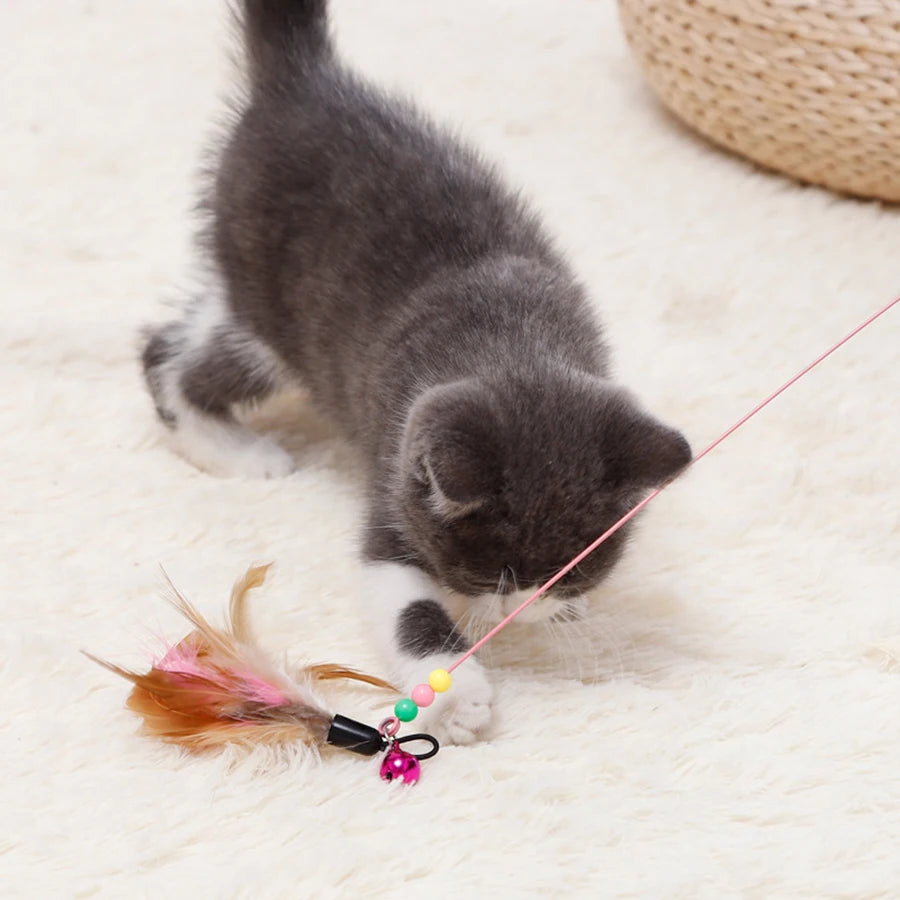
<point x="727" y="725"/>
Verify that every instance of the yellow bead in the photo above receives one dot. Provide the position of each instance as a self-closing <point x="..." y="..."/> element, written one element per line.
<point x="439" y="681"/>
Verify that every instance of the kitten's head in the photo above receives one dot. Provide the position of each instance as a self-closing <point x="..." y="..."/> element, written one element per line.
<point x="503" y="480"/>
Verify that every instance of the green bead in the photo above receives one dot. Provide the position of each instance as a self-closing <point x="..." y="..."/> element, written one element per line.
<point x="405" y="710"/>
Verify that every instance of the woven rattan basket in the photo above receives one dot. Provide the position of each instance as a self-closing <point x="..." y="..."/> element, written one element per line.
<point x="811" y="89"/>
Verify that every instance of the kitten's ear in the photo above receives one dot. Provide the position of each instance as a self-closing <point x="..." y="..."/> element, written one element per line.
<point x="449" y="447"/>
<point x="452" y="481"/>
<point x="640" y="450"/>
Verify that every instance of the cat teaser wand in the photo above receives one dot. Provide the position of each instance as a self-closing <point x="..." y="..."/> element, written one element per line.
<point x="217" y="687"/>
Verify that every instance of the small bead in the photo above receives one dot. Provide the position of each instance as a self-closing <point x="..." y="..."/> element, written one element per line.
<point x="423" y="695"/>
<point x="440" y="680"/>
<point x="405" y="710"/>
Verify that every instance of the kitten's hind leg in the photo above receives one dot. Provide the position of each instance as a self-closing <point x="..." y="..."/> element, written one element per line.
<point x="197" y="368"/>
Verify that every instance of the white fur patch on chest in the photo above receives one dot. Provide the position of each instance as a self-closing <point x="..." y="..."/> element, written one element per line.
<point x="541" y="610"/>
<point x="493" y="608"/>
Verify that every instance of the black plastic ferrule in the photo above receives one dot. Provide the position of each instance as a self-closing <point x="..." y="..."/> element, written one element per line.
<point x="355" y="736"/>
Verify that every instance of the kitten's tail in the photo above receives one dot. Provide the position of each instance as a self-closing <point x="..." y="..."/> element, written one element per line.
<point x="282" y="36"/>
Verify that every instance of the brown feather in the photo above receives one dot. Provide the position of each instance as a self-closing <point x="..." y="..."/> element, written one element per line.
<point x="331" y="672"/>
<point x="255" y="576"/>
<point x="216" y="687"/>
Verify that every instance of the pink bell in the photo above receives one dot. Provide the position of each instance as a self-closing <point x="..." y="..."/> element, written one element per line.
<point x="400" y="764"/>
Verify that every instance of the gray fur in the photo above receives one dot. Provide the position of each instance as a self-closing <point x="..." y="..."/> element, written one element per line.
<point x="385" y="265"/>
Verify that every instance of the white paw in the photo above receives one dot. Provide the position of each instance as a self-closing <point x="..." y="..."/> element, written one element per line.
<point x="462" y="714"/>
<point x="259" y="458"/>
<point x="231" y="451"/>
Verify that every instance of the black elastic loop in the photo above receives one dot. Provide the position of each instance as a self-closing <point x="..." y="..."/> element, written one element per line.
<point x="435" y="746"/>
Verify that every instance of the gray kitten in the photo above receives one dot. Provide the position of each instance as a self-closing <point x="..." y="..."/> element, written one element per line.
<point x="362" y="251"/>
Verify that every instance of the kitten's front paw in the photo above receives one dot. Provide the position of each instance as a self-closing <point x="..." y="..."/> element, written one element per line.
<point x="462" y="714"/>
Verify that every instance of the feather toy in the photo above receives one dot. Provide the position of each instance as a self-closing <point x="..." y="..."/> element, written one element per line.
<point x="217" y="687"/>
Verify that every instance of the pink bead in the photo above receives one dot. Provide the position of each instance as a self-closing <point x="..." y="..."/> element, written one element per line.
<point x="422" y="695"/>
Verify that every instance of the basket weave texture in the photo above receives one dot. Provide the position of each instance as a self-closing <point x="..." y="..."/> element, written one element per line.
<point x="811" y="89"/>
